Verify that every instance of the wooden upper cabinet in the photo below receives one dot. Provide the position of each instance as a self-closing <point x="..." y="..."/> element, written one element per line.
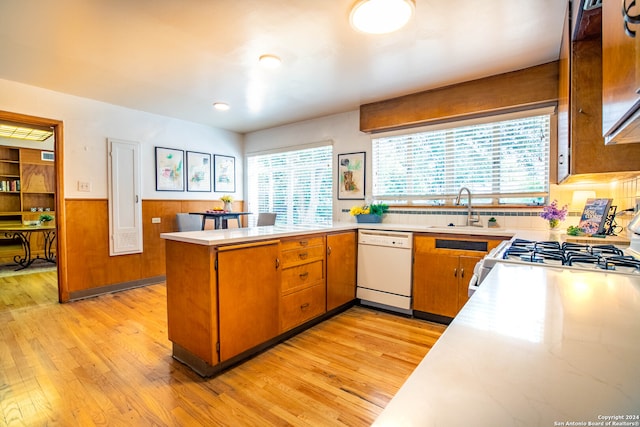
<point x="564" y="71"/>
<point x="621" y="85"/>
<point x="582" y="151"/>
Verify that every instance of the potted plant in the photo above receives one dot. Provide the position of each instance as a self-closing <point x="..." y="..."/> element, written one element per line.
<point x="492" y="222"/>
<point x="369" y="213"/>
<point x="45" y="218"/>
<point x="553" y="214"/>
<point x="227" y="199"/>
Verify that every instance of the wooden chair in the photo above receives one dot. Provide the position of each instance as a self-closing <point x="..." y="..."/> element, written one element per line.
<point x="266" y="218"/>
<point x="188" y="222"/>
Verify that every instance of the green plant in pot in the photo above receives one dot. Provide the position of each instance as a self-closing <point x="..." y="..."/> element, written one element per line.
<point x="45" y="218"/>
<point x="369" y="213"/>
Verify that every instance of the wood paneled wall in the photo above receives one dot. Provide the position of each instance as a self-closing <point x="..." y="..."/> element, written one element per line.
<point x="501" y="93"/>
<point x="87" y="242"/>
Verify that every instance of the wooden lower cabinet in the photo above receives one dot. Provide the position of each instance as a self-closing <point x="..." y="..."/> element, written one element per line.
<point x="248" y="296"/>
<point x="223" y="302"/>
<point x="441" y="274"/>
<point x="192" y="299"/>
<point x="341" y="268"/>
<point x="303" y="285"/>
<point x="298" y="307"/>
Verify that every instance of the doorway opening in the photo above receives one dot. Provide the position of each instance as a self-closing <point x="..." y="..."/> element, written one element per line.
<point x="32" y="209"/>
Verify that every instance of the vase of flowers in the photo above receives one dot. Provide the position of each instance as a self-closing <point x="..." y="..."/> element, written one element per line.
<point x="369" y="213"/>
<point x="227" y="199"/>
<point x="553" y="214"/>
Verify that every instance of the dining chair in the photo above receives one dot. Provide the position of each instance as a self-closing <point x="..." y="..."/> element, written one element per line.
<point x="189" y="222"/>
<point x="266" y="218"/>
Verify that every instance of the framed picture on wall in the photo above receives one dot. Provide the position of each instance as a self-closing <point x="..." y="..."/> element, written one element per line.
<point x="198" y="171"/>
<point x="169" y="169"/>
<point x="224" y="173"/>
<point x="351" y="176"/>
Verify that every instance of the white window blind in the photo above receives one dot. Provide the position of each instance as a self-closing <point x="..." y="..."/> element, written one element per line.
<point x="296" y="184"/>
<point x="501" y="162"/>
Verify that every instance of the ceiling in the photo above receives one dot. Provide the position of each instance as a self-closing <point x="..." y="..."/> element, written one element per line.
<point x="177" y="57"/>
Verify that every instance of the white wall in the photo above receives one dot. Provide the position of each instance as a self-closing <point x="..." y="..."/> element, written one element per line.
<point x="343" y="129"/>
<point x="88" y="124"/>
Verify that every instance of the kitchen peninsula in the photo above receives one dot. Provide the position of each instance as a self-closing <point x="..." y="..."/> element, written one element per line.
<point x="232" y="293"/>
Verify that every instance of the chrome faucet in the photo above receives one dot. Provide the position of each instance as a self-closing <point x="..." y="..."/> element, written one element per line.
<point x="471" y="220"/>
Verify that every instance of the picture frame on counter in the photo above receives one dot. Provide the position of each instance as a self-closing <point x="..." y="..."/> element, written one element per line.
<point x="169" y="169"/>
<point x="351" y="175"/>
<point x="224" y="173"/>
<point x="198" y="171"/>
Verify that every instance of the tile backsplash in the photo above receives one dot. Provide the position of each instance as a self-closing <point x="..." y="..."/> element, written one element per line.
<point x="625" y="195"/>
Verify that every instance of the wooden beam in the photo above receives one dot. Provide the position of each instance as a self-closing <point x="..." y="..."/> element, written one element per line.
<point x="500" y="93"/>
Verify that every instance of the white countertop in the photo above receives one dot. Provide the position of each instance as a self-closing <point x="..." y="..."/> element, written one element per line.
<point x="534" y="346"/>
<point x="238" y="235"/>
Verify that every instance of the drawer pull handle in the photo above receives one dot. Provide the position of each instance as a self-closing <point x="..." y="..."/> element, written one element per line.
<point x="304" y="306"/>
<point x="303" y="255"/>
<point x="303" y="243"/>
<point x="304" y="275"/>
<point x="277" y="263"/>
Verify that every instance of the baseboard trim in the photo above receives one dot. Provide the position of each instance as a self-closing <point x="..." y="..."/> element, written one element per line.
<point x="118" y="287"/>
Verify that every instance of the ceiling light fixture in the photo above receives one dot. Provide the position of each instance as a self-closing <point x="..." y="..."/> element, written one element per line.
<point x="381" y="16"/>
<point x="269" y="61"/>
<point x="221" y="106"/>
<point x="19" y="132"/>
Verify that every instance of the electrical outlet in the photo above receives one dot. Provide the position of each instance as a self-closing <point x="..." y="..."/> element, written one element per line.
<point x="155" y="220"/>
<point x="84" y="186"/>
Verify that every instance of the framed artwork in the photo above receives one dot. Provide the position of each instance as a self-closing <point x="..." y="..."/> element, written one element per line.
<point x="224" y="174"/>
<point x="169" y="169"/>
<point x="351" y="176"/>
<point x="198" y="171"/>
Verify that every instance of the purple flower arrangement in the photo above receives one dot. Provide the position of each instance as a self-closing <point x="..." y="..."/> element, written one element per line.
<point x="552" y="214"/>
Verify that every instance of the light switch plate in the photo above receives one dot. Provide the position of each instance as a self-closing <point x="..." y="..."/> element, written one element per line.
<point x="155" y="220"/>
<point x="84" y="186"/>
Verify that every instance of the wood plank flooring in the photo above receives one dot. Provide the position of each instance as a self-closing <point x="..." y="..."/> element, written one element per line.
<point x="106" y="361"/>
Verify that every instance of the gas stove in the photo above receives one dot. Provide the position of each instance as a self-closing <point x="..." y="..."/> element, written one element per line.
<point x="604" y="258"/>
<point x="608" y="258"/>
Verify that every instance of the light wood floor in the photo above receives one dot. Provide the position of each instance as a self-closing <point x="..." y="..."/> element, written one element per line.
<point x="107" y="361"/>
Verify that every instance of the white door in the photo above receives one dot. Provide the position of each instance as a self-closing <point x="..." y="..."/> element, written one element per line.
<point x="125" y="204"/>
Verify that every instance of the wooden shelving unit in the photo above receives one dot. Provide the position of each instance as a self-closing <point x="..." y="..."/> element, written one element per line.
<point x="26" y="182"/>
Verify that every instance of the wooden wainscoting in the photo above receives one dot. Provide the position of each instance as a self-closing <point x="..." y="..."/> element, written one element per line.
<point x="89" y="265"/>
<point x="107" y="361"/>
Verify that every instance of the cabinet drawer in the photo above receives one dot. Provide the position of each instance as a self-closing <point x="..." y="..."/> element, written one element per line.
<point x="301" y="256"/>
<point x="301" y="242"/>
<point x="302" y="276"/>
<point x="298" y="307"/>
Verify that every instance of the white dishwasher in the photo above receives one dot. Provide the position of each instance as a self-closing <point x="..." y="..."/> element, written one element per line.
<point x="384" y="269"/>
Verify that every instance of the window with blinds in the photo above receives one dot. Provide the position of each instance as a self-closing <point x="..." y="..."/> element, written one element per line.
<point x="296" y="184"/>
<point x="501" y="162"/>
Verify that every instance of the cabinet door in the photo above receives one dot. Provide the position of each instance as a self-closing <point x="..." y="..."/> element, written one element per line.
<point x="341" y="269"/>
<point x="248" y="295"/>
<point x="435" y="283"/>
<point x="465" y="272"/>
<point x="619" y="85"/>
<point x="563" y="102"/>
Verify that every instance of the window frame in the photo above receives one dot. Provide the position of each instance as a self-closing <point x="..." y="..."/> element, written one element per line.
<point x="449" y="197"/>
<point x="289" y="217"/>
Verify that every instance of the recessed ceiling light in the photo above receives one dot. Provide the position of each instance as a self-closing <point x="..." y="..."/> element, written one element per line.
<point x="221" y="106"/>
<point x="381" y="16"/>
<point x="269" y="61"/>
